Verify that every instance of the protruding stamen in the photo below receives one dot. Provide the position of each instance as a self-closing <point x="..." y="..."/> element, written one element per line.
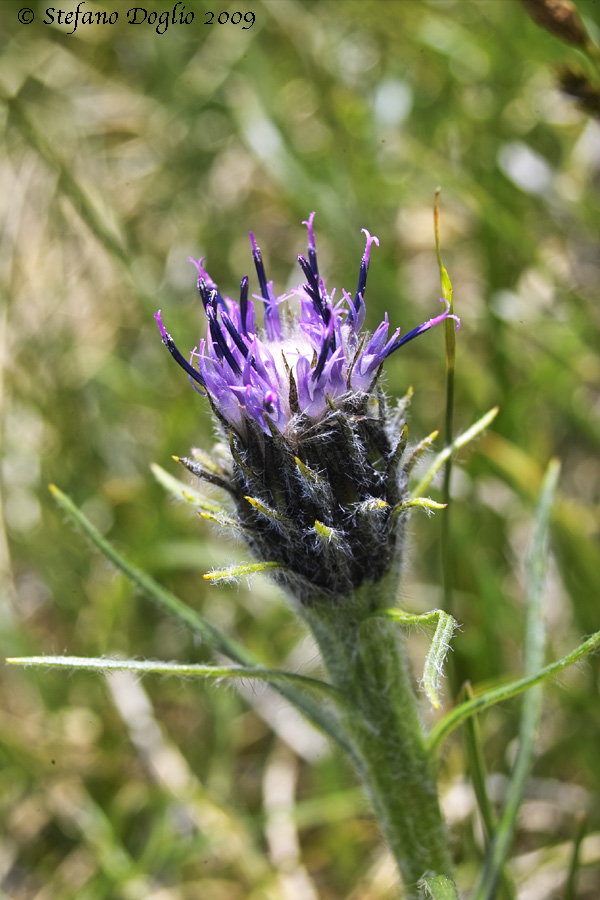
<point x="425" y="327"/>
<point x="205" y="291"/>
<point x="236" y="336"/>
<point x="177" y="356"/>
<point x="244" y="304"/>
<point x="205" y="283"/>
<point x="313" y="289"/>
<point x="219" y="342"/>
<point x="327" y="346"/>
<point x="260" y="269"/>
<point x="364" y="268"/>
<point x="312" y="250"/>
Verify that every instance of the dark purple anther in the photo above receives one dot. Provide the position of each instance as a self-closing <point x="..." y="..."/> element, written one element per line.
<point x="364" y="268"/>
<point x="177" y="356"/>
<point x="204" y="290"/>
<point x="244" y="304"/>
<point x="327" y="346"/>
<point x="260" y="270"/>
<point x="424" y="327"/>
<point x="219" y="342"/>
<point x="235" y="335"/>
<point x="312" y="250"/>
<point x="312" y="288"/>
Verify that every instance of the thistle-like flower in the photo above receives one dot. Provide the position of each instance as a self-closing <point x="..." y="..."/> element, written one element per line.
<point x="317" y="468"/>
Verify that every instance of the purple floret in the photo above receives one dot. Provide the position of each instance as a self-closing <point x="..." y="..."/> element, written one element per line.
<point x="295" y="366"/>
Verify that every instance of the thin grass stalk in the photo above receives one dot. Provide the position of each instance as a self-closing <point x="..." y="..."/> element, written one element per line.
<point x="478" y="773"/>
<point x="450" y="341"/>
<point x="532" y="703"/>
<point x="575" y="864"/>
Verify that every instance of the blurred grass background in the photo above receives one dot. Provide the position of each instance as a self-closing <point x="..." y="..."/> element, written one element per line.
<point x="123" y="153"/>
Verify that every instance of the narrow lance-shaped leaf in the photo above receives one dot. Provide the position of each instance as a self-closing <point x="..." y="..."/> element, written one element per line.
<point x="436" y="656"/>
<point x="575" y="864"/>
<point x="158" y="667"/>
<point x="221" y="519"/>
<point x="213" y="636"/>
<point x="231" y="573"/>
<point x="483" y="701"/>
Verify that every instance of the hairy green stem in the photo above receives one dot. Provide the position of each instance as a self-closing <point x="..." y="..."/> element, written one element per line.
<point x="366" y="661"/>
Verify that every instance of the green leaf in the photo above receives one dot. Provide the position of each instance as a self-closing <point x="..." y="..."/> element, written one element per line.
<point x="218" y="640"/>
<point x="434" y="662"/>
<point x="477" y="770"/>
<point x="445" y="282"/>
<point x="450" y="341"/>
<point x="504" y="692"/>
<point x="157" y="667"/>
<point x="440" y="645"/>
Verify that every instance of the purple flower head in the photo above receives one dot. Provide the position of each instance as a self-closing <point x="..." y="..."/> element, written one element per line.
<point x="317" y="471"/>
<point x="295" y="366"/>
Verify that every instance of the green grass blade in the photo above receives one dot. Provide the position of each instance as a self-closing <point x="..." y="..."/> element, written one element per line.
<point x="532" y="705"/>
<point x="185" y="670"/>
<point x="534" y="655"/>
<point x="478" y="773"/>
<point x="218" y="640"/>
<point x="477" y="770"/>
<point x="571" y="884"/>
<point x="450" y="341"/>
